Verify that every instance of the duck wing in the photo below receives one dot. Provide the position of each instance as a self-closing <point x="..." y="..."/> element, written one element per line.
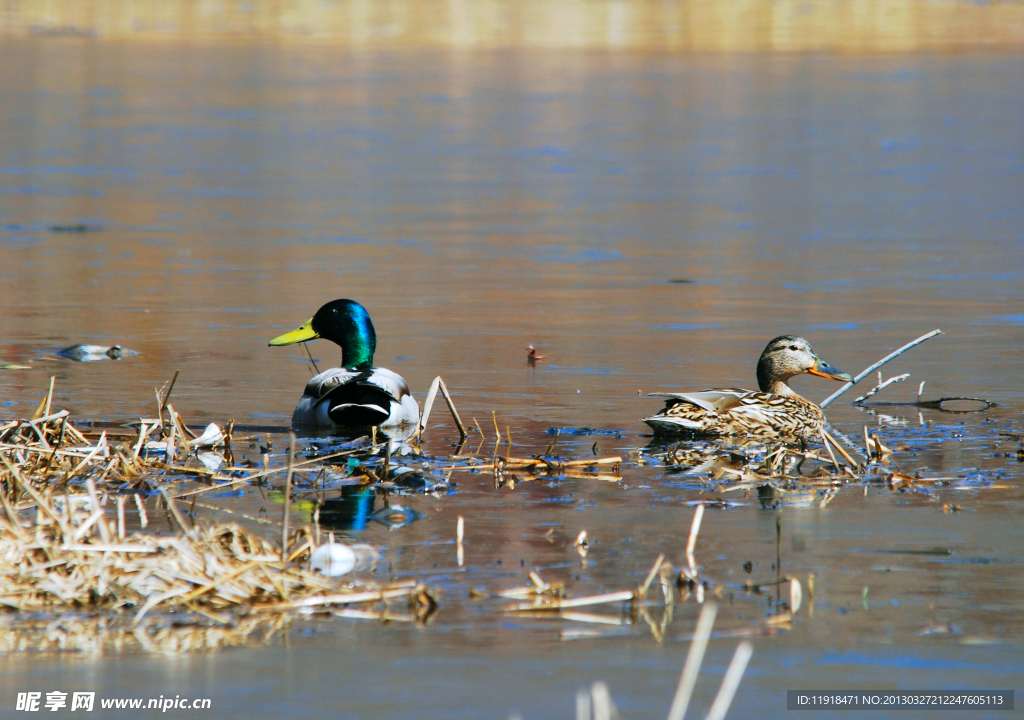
<point x="733" y="411"/>
<point x="356" y="398"/>
<point x="718" y="400"/>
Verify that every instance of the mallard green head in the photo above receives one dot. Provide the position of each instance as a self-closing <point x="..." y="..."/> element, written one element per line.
<point x="786" y="356"/>
<point x="343" y="322"/>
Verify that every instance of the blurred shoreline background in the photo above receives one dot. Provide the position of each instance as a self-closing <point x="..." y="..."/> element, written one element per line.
<point x="649" y="25"/>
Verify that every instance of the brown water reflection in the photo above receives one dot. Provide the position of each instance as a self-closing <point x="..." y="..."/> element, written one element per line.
<point x="663" y="25"/>
<point x="479" y="202"/>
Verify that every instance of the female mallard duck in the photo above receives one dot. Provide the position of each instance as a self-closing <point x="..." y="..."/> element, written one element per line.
<point x="356" y="394"/>
<point x="775" y="410"/>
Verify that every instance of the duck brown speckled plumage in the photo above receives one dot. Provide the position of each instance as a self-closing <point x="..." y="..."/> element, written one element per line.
<point x="775" y="410"/>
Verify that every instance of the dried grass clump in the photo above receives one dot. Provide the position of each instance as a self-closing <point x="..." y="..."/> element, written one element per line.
<point x="72" y="560"/>
<point x="71" y="557"/>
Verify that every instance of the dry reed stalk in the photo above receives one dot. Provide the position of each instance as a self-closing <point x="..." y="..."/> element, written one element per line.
<point x="593" y="618"/>
<point x="543" y="603"/>
<point x="642" y="592"/>
<point x="143" y="519"/>
<point x="44" y="406"/>
<point x="582" y="705"/>
<point x="691" y="543"/>
<point x="460" y="530"/>
<point x="74" y="560"/>
<point x="167" y="397"/>
<point x="824" y="439"/>
<point x="451" y="407"/>
<point x="731" y="681"/>
<point x="842" y="451"/>
<point x="287" y="495"/>
<point x="428" y="405"/>
<point x="694" y="658"/>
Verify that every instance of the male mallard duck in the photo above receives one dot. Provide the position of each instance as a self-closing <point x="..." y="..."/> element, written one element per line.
<point x="775" y="410"/>
<point x="356" y="394"/>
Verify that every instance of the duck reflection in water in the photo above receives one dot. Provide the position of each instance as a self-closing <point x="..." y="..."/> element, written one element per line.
<point x="355" y="508"/>
<point x="349" y="512"/>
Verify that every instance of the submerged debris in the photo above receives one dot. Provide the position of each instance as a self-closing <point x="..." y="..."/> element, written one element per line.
<point x="94" y="353"/>
<point x="334" y="559"/>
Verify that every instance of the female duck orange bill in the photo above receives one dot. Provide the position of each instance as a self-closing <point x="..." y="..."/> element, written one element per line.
<point x="355" y="394"/>
<point x="775" y="410"/>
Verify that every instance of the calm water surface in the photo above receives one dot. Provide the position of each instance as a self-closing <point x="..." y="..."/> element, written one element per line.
<point x="478" y="202"/>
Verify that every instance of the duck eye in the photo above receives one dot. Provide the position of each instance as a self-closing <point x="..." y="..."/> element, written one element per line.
<point x="793" y="347"/>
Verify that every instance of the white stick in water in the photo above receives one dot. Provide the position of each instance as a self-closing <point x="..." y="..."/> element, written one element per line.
<point x="604" y="708"/>
<point x="693" y="660"/>
<point x="732" y="681"/>
<point x="698" y="514"/>
<point x="460" y="529"/>
<point x="143" y="519"/>
<point x="582" y="705"/>
<point x="880" y="363"/>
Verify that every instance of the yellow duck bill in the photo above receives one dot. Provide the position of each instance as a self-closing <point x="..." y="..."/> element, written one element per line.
<point x="301" y="334"/>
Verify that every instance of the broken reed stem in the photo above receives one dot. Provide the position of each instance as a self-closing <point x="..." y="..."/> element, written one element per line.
<point x="49" y="396"/>
<point x="167" y="397"/>
<point x="120" y="518"/>
<point x="143" y="519"/>
<point x="428" y="404"/>
<point x="650" y="577"/>
<point x="287" y="496"/>
<point x="452" y="410"/>
<point x="731" y="681"/>
<point x="691" y="543"/>
<point x="582" y="705"/>
<point x="881" y="386"/>
<point x="343" y="598"/>
<point x="842" y="452"/>
<point x="558" y="604"/>
<point x="460" y="532"/>
<point x="604" y="708"/>
<point x="824" y="439"/>
<point x="828" y="401"/>
<point x="694" y="658"/>
<point x="497" y="432"/>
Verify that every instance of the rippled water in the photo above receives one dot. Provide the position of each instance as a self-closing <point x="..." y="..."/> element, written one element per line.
<point x="190" y="203"/>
